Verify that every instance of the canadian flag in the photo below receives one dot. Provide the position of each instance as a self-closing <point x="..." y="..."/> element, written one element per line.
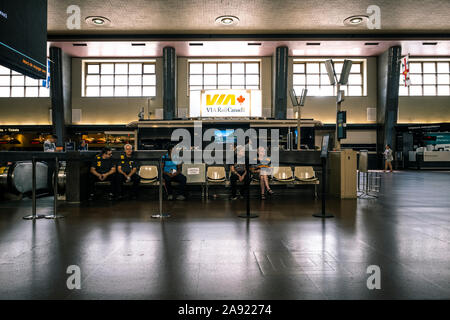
<point x="405" y="72"/>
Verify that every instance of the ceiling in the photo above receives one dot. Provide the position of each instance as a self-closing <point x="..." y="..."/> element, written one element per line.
<point x="132" y="17"/>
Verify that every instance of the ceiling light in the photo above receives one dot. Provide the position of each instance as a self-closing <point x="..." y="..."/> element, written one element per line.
<point x="354" y="21"/>
<point x="254" y="43"/>
<point x="227" y="20"/>
<point x="193" y="44"/>
<point x="371" y="43"/>
<point x="97" y="21"/>
<point x="429" y="43"/>
<point x="313" y="43"/>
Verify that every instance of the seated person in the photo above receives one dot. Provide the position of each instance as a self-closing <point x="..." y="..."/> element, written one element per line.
<point x="127" y="171"/>
<point x="172" y="172"/>
<point x="83" y="146"/>
<point x="103" y="169"/>
<point x="238" y="172"/>
<point x="263" y="170"/>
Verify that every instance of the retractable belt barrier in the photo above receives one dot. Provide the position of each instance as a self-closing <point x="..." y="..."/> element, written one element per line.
<point x="299" y="158"/>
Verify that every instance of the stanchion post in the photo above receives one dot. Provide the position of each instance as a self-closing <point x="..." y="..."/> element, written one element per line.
<point x="55" y="193"/>
<point x="33" y="215"/>
<point x="248" y="215"/>
<point x="161" y="215"/>
<point x="323" y="214"/>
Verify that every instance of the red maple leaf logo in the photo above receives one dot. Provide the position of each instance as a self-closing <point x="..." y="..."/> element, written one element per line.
<point x="241" y="99"/>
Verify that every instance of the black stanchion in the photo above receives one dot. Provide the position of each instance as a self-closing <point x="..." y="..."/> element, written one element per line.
<point x="160" y="215"/>
<point x="33" y="215"/>
<point x="55" y="215"/>
<point x="248" y="215"/>
<point x="323" y="213"/>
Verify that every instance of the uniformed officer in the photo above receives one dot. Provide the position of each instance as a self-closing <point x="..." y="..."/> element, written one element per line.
<point x="127" y="168"/>
<point x="103" y="169"/>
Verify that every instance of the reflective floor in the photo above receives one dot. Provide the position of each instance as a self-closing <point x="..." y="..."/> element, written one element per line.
<point x="205" y="252"/>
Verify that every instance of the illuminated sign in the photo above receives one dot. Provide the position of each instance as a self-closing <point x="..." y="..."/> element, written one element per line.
<point x="226" y="103"/>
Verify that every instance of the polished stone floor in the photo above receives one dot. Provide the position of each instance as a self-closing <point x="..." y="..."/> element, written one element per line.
<point x="205" y="252"/>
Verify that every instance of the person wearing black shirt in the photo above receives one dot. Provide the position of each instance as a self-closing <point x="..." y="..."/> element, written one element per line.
<point x="127" y="169"/>
<point x="103" y="169"/>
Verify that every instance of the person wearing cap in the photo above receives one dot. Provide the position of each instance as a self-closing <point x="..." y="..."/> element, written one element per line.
<point x="127" y="169"/>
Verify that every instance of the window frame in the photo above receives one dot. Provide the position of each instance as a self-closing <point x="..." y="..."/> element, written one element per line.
<point x="115" y="62"/>
<point x="305" y="61"/>
<point x="422" y="85"/>
<point x="24" y="86"/>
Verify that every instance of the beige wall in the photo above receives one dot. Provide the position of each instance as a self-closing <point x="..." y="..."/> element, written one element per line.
<point x="111" y="110"/>
<point x="324" y="108"/>
<point x="423" y="109"/>
<point x="25" y="111"/>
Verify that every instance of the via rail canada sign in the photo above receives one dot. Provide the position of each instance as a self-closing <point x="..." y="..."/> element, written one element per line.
<point x="226" y="103"/>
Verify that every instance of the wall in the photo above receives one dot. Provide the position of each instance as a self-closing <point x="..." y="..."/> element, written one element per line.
<point x="111" y="110"/>
<point x="25" y="111"/>
<point x="423" y="109"/>
<point x="324" y="108"/>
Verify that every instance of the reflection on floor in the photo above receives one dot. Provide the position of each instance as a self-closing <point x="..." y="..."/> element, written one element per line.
<point x="205" y="252"/>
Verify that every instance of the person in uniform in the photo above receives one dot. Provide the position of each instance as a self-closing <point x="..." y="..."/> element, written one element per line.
<point x="103" y="169"/>
<point x="50" y="143"/>
<point x="127" y="169"/>
<point x="172" y="173"/>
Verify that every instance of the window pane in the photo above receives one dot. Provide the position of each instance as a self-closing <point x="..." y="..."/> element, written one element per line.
<point x="299" y="79"/>
<point x="224" y="80"/>
<point x="252" y="87"/>
<point x="135" y="80"/>
<point x="196" y="80"/>
<point x="5" y="92"/>
<point x="18" y="92"/>
<point x="354" y="91"/>
<point x="326" y="91"/>
<point x="356" y="68"/>
<point x="224" y="68"/>
<point x="443" y="90"/>
<point x="14" y="73"/>
<point x="31" y="82"/>
<point x="135" y="68"/>
<point x="107" y="68"/>
<point x="107" y="80"/>
<point x="354" y="79"/>
<point x="403" y="91"/>
<point x="4" y="70"/>
<point x="195" y="68"/>
<point x="443" y="67"/>
<point x="324" y="80"/>
<point x="429" y="79"/>
<point x="149" y="68"/>
<point x="238" y="80"/>
<point x="415" y="90"/>
<point x="5" y="80"/>
<point x="252" y="68"/>
<point x="312" y="79"/>
<point x="298" y="90"/>
<point x="121" y="91"/>
<point x="338" y="67"/>
<point x="121" y="80"/>
<point x="210" y="87"/>
<point x="121" y="68"/>
<point x="312" y="68"/>
<point x="93" y="68"/>
<point x="429" y="90"/>
<point x="429" y="67"/>
<point x="107" y="91"/>
<point x="92" y="91"/>
<point x="299" y="68"/>
<point x="93" y="80"/>
<point x="237" y="68"/>
<point x="237" y="87"/>
<point x="149" y="80"/>
<point x="252" y="80"/>
<point x="210" y="68"/>
<point x="44" y="92"/>
<point x="149" y="91"/>
<point x="313" y="91"/>
<point x="443" y="79"/>
<point x="18" y="80"/>
<point x="210" y="80"/>
<point x="135" y="92"/>
<point x="416" y="79"/>
<point x="196" y="88"/>
<point x="415" y="67"/>
<point x="32" y="92"/>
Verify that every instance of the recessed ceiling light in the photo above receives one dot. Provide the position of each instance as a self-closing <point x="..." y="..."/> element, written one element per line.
<point x="193" y="44"/>
<point x="354" y="21"/>
<point x="138" y="44"/>
<point x="79" y="44"/>
<point x="313" y="43"/>
<point x="227" y="20"/>
<point x="371" y="43"/>
<point x="254" y="43"/>
<point x="97" y="21"/>
<point x="429" y="43"/>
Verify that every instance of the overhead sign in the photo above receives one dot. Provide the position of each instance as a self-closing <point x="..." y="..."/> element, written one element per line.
<point x="226" y="103"/>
